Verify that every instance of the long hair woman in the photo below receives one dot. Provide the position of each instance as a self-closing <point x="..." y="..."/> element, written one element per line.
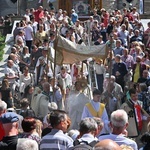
<point x="6" y="94"/>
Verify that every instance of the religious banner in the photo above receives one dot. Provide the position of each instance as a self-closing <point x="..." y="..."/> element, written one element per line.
<point x="81" y="7"/>
<point x="68" y="52"/>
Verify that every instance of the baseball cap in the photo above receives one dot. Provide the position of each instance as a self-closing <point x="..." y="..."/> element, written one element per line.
<point x="9" y="117"/>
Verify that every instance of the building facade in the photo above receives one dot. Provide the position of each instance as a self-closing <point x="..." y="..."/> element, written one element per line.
<point x="83" y="7"/>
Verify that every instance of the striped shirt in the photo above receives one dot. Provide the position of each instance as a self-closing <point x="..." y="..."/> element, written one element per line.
<point x="56" y="140"/>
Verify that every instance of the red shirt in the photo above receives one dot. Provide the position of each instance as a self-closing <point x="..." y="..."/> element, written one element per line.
<point x="2" y="133"/>
<point x="38" y="14"/>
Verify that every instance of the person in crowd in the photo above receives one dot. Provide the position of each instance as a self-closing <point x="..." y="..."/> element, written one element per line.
<point x="111" y="42"/>
<point x="25" y="110"/>
<point x="103" y="32"/>
<point x="27" y="144"/>
<point x="76" y="102"/>
<point x="136" y="37"/>
<point x="99" y="40"/>
<point x="42" y="70"/>
<point x="40" y="105"/>
<point x="29" y="35"/>
<point x="105" y="17"/>
<point x="135" y="14"/>
<point x="64" y="81"/>
<point x="40" y="35"/>
<point x="119" y="123"/>
<point x="79" y="28"/>
<point x="64" y="27"/>
<point x="88" y="130"/>
<point x="124" y="35"/>
<point x="118" y="49"/>
<point x="111" y="98"/>
<point x="35" y="54"/>
<point x="29" y="126"/>
<point x="119" y="70"/>
<point x="25" y="79"/>
<point x="107" y="144"/>
<point x="11" y="75"/>
<point x="134" y="109"/>
<point x="20" y="38"/>
<point x="100" y="71"/>
<point x="46" y="121"/>
<point x="55" y="94"/>
<point x="9" y="122"/>
<point x="110" y="28"/>
<point x="43" y="64"/>
<point x="127" y="58"/>
<point x="146" y="35"/>
<point x="138" y="69"/>
<point x="77" y="70"/>
<point x="3" y="109"/>
<point x="28" y="93"/>
<point x="144" y="97"/>
<point x="6" y="93"/>
<point x="59" y="123"/>
<point x="16" y="30"/>
<point x="96" y="109"/>
<point x="39" y="13"/>
<point x="144" y="78"/>
<point x="95" y="31"/>
<point x="96" y="16"/>
<point x="74" y="16"/>
<point x="24" y="58"/>
<point x="34" y="24"/>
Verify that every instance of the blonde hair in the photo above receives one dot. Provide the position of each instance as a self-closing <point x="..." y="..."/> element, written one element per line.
<point x="39" y="127"/>
<point x="5" y="84"/>
<point x="126" y="147"/>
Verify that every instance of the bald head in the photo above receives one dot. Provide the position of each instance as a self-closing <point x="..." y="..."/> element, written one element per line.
<point x="107" y="145"/>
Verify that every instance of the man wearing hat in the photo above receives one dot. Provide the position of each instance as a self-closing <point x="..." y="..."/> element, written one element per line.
<point x="96" y="109"/>
<point x="9" y="121"/>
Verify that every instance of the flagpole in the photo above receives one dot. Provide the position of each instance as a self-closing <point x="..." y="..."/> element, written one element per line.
<point x="54" y="74"/>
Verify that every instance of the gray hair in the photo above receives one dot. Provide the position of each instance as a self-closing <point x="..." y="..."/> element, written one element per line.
<point x="87" y="125"/>
<point x="113" y="78"/>
<point x="3" y="106"/>
<point x="119" y="118"/>
<point x="52" y="106"/>
<point x="26" y="144"/>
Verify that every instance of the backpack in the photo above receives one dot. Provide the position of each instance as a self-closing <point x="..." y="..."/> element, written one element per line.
<point x="84" y="145"/>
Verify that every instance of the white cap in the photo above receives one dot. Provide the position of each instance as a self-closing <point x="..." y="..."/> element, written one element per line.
<point x="107" y="75"/>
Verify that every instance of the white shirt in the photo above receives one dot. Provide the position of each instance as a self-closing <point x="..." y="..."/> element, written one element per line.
<point x="10" y="73"/>
<point x="99" y="68"/>
<point x="28" y="33"/>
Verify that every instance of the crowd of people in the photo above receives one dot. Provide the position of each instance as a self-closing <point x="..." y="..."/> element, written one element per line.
<point x="46" y="106"/>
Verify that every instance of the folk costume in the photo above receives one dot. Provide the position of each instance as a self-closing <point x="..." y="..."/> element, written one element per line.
<point x="136" y="116"/>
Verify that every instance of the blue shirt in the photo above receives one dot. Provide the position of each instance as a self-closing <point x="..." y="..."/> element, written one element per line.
<point x="74" y="17"/>
<point x="56" y="140"/>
